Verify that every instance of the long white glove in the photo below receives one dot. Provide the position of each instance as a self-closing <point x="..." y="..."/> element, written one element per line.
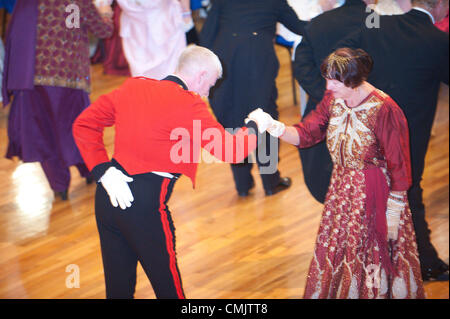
<point x="395" y="206"/>
<point x="116" y="185"/>
<point x="277" y="128"/>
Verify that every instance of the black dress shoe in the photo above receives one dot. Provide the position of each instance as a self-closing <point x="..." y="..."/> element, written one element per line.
<point x="246" y="193"/>
<point x="63" y="195"/>
<point x="438" y="273"/>
<point x="243" y="194"/>
<point x="285" y="183"/>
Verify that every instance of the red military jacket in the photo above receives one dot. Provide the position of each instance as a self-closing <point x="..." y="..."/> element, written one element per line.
<point x="159" y="126"/>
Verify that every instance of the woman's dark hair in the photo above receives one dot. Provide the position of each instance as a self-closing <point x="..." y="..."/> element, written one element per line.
<point x="351" y="67"/>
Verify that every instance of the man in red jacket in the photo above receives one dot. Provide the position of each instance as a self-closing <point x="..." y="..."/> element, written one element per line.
<point x="153" y="121"/>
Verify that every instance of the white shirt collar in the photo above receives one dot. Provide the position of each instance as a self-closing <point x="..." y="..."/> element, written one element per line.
<point x="425" y="11"/>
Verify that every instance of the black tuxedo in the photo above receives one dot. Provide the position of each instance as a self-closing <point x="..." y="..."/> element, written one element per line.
<point x="241" y="33"/>
<point x="319" y="39"/>
<point x="410" y="61"/>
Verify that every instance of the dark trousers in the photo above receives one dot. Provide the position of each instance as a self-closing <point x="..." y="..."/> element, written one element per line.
<point x="419" y="145"/>
<point x="143" y="232"/>
<point x="267" y="164"/>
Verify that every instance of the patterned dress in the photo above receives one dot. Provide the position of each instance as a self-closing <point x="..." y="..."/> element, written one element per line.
<point x="47" y="70"/>
<point x="370" y="151"/>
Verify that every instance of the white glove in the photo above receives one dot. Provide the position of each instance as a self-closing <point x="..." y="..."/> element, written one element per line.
<point x="116" y="185"/>
<point x="394" y="210"/>
<point x="276" y="129"/>
<point x="262" y="119"/>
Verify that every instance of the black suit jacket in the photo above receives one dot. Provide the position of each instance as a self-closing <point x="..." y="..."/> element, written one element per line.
<point x="410" y="61"/>
<point x="241" y="33"/>
<point x="319" y="39"/>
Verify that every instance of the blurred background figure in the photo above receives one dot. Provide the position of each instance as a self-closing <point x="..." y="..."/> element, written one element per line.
<point x="189" y="26"/>
<point x="391" y="7"/>
<point x="47" y="70"/>
<point x="2" y="57"/>
<point x="109" y="51"/>
<point x="306" y="10"/>
<point x="242" y="33"/>
<point x="8" y="6"/>
<point x="153" y="36"/>
<point x="443" y="24"/>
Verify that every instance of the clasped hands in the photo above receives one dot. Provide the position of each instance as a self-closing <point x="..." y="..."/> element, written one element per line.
<point x="265" y="122"/>
<point x="116" y="183"/>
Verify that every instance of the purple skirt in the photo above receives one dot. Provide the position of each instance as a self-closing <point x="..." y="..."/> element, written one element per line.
<point x="40" y="124"/>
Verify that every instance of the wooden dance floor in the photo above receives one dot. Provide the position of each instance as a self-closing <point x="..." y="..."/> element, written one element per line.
<point x="228" y="247"/>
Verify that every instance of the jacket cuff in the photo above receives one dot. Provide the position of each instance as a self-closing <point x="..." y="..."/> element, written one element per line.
<point x="253" y="129"/>
<point x="98" y="171"/>
<point x="252" y="126"/>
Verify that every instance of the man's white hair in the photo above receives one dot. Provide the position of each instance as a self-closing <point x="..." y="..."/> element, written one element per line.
<point x="195" y="58"/>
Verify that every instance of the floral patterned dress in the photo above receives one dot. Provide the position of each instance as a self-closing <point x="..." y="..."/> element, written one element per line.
<point x="370" y="151"/>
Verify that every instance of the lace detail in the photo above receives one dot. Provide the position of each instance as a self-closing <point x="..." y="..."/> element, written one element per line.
<point x="350" y="132"/>
<point x="399" y="289"/>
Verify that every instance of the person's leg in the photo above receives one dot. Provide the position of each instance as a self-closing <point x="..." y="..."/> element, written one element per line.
<point x="84" y="172"/>
<point x="267" y="159"/>
<point x="148" y="229"/>
<point x="243" y="179"/>
<point x="268" y="153"/>
<point x="57" y="175"/>
<point x="157" y="247"/>
<point x="432" y="266"/>
<point x="119" y="260"/>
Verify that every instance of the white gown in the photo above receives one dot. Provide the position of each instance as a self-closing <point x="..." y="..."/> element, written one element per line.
<point x="153" y="36"/>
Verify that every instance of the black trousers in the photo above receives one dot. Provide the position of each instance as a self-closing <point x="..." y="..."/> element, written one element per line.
<point x="143" y="232"/>
<point x="419" y="140"/>
<point x="267" y="164"/>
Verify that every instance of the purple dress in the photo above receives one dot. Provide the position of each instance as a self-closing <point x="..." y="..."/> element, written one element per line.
<point x="47" y="72"/>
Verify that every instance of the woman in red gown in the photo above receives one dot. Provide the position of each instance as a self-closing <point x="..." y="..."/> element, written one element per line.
<point x="366" y="246"/>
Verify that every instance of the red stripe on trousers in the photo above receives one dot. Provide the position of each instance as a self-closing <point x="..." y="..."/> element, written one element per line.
<point x="169" y="239"/>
